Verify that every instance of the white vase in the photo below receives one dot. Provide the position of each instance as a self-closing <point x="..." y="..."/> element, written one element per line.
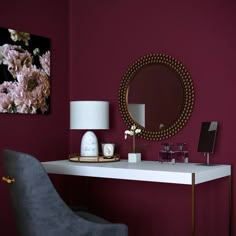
<point x="134" y="157"/>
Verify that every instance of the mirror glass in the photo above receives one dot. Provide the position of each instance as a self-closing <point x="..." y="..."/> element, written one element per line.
<point x="207" y="137"/>
<point x="156" y="93"/>
<point x="160" y="90"/>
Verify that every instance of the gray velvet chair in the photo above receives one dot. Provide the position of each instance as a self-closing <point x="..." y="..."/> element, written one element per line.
<point x="38" y="208"/>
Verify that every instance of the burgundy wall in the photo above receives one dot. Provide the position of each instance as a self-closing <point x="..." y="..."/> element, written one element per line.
<point x="46" y="137"/>
<point x="107" y="37"/>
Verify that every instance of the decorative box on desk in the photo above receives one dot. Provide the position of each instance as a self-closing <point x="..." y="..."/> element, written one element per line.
<point x="134" y="157"/>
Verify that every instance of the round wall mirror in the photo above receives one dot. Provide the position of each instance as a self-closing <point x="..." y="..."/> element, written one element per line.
<point x="156" y="94"/>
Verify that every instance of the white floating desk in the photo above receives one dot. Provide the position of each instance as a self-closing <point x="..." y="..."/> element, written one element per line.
<point x="151" y="171"/>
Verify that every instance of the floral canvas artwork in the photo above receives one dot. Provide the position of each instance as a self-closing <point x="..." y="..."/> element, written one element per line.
<point x="24" y="72"/>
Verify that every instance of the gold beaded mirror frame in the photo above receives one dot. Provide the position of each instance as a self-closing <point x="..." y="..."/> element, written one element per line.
<point x="161" y="85"/>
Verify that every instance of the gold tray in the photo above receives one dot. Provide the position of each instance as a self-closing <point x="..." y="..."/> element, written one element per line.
<point x="77" y="158"/>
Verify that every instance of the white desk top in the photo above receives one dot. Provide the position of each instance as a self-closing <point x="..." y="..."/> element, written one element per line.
<point x="152" y="171"/>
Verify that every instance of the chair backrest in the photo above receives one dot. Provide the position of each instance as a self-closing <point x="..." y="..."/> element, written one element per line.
<point x="38" y="208"/>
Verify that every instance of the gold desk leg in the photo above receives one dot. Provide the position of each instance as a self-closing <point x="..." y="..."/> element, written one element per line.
<point x="230" y="205"/>
<point x="193" y="204"/>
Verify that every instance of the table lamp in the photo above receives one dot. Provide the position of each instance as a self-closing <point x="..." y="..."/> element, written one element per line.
<point x="89" y="115"/>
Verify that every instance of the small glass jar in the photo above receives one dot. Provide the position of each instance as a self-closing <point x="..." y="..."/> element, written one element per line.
<point x="166" y="154"/>
<point x="181" y="154"/>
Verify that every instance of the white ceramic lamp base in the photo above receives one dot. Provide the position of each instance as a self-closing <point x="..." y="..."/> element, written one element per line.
<point x="134" y="157"/>
<point x="89" y="145"/>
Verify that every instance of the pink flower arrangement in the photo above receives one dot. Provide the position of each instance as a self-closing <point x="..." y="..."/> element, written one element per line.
<point x="15" y="58"/>
<point x="45" y="62"/>
<point x="19" y="36"/>
<point x="29" y="90"/>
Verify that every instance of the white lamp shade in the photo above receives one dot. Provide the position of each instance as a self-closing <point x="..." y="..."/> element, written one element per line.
<point x="89" y="115"/>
